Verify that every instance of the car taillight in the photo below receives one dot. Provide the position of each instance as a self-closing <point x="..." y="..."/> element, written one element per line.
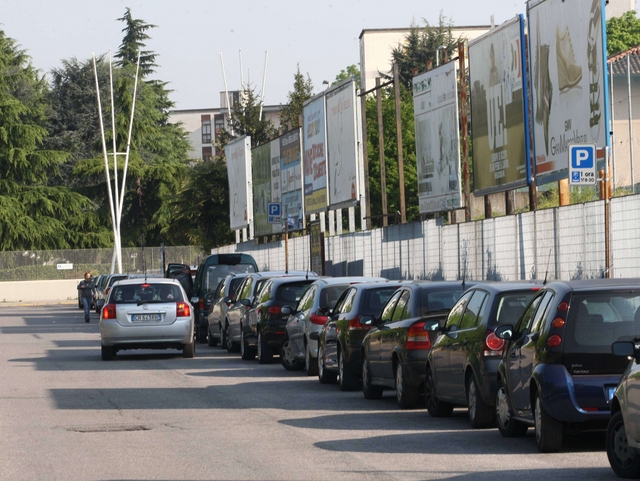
<point x="201" y="303"/>
<point x="417" y="337"/>
<point x="183" y="309"/>
<point x="319" y="320"/>
<point x="354" y="325"/>
<point x="275" y="310"/>
<point x="493" y="345"/>
<point x="109" y="311"/>
<point x="554" y="341"/>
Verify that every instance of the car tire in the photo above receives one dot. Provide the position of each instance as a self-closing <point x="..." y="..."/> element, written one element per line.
<point x="223" y="339"/>
<point x="508" y="427"/>
<point x="310" y="364"/>
<point x="189" y="350"/>
<point x="265" y="356"/>
<point x="324" y="376"/>
<point x="481" y="415"/>
<point x="247" y="353"/>
<point x="369" y="390"/>
<point x="348" y="380"/>
<point x="436" y="408"/>
<point x="406" y="395"/>
<point x="287" y="359"/>
<point x="211" y="341"/>
<point x="201" y="333"/>
<point x="108" y="353"/>
<point x="548" y="429"/>
<point x="229" y="341"/>
<point x="624" y="460"/>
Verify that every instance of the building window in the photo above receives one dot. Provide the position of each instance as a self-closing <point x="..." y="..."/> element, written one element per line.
<point x="206" y="128"/>
<point x="218" y="120"/>
<point x="207" y="153"/>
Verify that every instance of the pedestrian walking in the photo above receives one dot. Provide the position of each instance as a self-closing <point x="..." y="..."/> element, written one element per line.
<point x="86" y="288"/>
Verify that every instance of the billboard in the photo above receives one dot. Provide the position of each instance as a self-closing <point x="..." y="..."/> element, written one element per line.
<point x="435" y="107"/>
<point x="315" y="161"/>
<point x="342" y="145"/>
<point x="499" y="126"/>
<point x="291" y="179"/>
<point x="569" y="82"/>
<point x="238" y="155"/>
<point x="262" y="188"/>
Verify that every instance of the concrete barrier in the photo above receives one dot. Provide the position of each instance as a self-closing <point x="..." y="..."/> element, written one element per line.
<point x="39" y="291"/>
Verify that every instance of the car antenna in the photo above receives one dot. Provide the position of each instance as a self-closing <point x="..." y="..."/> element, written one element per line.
<point x="464" y="275"/>
<point x="544" y="283"/>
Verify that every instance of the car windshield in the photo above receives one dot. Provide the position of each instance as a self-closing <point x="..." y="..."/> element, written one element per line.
<point x="596" y="320"/>
<point x="432" y="301"/>
<point x="375" y="299"/>
<point x="136" y="293"/>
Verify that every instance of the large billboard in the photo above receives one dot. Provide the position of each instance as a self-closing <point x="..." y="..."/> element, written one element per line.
<point x="569" y="82"/>
<point x="315" y="161"/>
<point x="435" y="106"/>
<point x="291" y="179"/>
<point x="499" y="127"/>
<point x="262" y="188"/>
<point x="342" y="145"/>
<point x="238" y="156"/>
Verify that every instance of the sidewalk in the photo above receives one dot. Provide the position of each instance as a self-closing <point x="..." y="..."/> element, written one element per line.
<point x="39" y="303"/>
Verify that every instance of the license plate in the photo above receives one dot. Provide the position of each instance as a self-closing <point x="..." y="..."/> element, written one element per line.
<point x="610" y="392"/>
<point x="145" y="318"/>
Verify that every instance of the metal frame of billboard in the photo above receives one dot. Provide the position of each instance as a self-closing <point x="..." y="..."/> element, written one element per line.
<point x="495" y="105"/>
<point x="313" y="170"/>
<point x="235" y="182"/>
<point x="590" y="91"/>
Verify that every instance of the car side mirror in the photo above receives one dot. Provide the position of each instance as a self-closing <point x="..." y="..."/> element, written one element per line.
<point x="624" y="348"/>
<point x="228" y="300"/>
<point x="432" y="326"/>
<point x="314" y="336"/>
<point x="286" y="310"/>
<point x="245" y="302"/>
<point x="506" y="332"/>
<point x="367" y="320"/>
<point x="195" y="300"/>
<point x="323" y="311"/>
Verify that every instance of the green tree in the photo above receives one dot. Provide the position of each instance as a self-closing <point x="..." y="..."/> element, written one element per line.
<point x="302" y="91"/>
<point x="352" y="71"/>
<point x="623" y="32"/>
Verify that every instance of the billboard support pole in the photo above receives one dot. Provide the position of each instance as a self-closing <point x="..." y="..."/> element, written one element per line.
<point x="383" y="174"/>
<point x="607" y="212"/>
<point x="396" y="88"/>
<point x="464" y="133"/>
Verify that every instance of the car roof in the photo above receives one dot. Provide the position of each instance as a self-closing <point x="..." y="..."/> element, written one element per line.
<point x="290" y="279"/>
<point x="361" y="286"/>
<point x="596" y="284"/>
<point x="149" y="280"/>
<point x="495" y="287"/>
<point x="347" y="280"/>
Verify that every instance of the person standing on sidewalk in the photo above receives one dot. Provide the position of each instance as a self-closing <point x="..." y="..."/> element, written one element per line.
<point x="86" y="296"/>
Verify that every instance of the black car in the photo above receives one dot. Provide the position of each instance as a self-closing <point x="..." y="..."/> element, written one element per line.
<point x="264" y="329"/>
<point x="395" y="351"/>
<point x="340" y="339"/>
<point x="557" y="372"/>
<point x="463" y="361"/>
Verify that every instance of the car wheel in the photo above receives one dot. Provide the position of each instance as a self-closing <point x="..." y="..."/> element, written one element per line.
<point x="289" y="362"/>
<point x="211" y="341"/>
<point x="223" y="338"/>
<point x="189" y="350"/>
<point x="481" y="415"/>
<point x="247" y="353"/>
<point x="324" y="376"/>
<point x="348" y="380"/>
<point x="108" y="353"/>
<point x="508" y="427"/>
<point x="406" y="395"/>
<point x="624" y="460"/>
<point x="202" y="333"/>
<point x="369" y="390"/>
<point x="310" y="364"/>
<point x="548" y="429"/>
<point x="229" y="341"/>
<point x="264" y="354"/>
<point x="436" y="408"/>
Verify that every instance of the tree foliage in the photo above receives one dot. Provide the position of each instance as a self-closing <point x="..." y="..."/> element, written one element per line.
<point x="623" y="32"/>
<point x="352" y="71"/>
<point x="302" y="91"/>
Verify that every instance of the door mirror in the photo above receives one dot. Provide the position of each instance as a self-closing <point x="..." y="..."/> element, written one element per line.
<point x="367" y="320"/>
<point x="323" y="311"/>
<point x="228" y="300"/>
<point x="314" y="336"/>
<point x="286" y="310"/>
<point x="245" y="302"/>
<point x="195" y="301"/>
<point x="623" y="348"/>
<point x="505" y="332"/>
<point x="432" y="326"/>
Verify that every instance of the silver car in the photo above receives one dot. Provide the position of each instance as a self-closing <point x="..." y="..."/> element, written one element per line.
<point x="147" y="314"/>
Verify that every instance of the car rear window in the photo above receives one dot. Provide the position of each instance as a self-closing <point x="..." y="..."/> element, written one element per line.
<point x="597" y="320"/>
<point x="375" y="299"/>
<point x="134" y="293"/>
<point x="291" y="292"/>
<point x="217" y="272"/>
<point x="437" y="300"/>
<point x="114" y="279"/>
<point x="510" y="307"/>
<point x="235" y="282"/>
<point x="330" y="294"/>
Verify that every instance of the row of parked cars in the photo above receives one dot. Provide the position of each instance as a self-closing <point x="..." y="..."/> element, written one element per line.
<point x="560" y="357"/>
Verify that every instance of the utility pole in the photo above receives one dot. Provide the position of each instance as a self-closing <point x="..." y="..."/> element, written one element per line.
<point x="396" y="88"/>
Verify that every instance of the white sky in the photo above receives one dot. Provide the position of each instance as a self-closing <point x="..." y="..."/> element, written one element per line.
<point x="322" y="36"/>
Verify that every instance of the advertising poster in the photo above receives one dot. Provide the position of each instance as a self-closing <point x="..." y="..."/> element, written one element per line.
<point x="435" y="107"/>
<point x="342" y="151"/>
<point x="291" y="180"/>
<point x="499" y="131"/>
<point x="262" y="193"/>
<point x="314" y="158"/>
<point x="238" y="156"/>
<point x="569" y="82"/>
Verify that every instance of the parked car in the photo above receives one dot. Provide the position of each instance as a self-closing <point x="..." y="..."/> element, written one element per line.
<point x="263" y="330"/>
<point x="209" y="274"/>
<point x="218" y="302"/>
<point x="146" y="314"/>
<point x="102" y="291"/>
<point x="463" y="361"/>
<point x="394" y="352"/>
<point x="340" y="339"/>
<point x="310" y="315"/>
<point x="557" y="370"/>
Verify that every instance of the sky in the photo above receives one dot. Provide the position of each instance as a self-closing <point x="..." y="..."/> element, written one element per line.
<point x="321" y="36"/>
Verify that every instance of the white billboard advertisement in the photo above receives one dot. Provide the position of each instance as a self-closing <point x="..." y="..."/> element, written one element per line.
<point x="435" y="106"/>
<point x="342" y="145"/>
<point x="238" y="156"/>
<point x="569" y="83"/>
<point x="291" y="180"/>
<point x="315" y="160"/>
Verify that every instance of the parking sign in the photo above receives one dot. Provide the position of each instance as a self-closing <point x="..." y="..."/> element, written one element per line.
<point x="582" y="164"/>
<point x="274" y="216"/>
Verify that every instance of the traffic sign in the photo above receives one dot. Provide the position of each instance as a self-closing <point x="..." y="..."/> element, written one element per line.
<point x="582" y="164"/>
<point x="274" y="210"/>
<point x="66" y="267"/>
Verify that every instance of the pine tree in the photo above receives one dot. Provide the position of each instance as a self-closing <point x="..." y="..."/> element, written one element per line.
<point x="302" y="91"/>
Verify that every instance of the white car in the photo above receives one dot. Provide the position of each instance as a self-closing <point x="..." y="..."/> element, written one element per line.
<point x="149" y="313"/>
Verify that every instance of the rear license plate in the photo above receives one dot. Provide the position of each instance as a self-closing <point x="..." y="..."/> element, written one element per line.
<point x="145" y="318"/>
<point x="610" y="391"/>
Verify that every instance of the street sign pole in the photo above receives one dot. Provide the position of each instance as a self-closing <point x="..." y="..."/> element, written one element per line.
<point x="607" y="212"/>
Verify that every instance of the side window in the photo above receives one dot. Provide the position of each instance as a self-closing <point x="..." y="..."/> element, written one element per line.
<point x="471" y="316"/>
<point x="455" y="315"/>
<point x="345" y="303"/>
<point x="263" y="293"/>
<point x="245" y="289"/>
<point x="306" y="301"/>
<point x="221" y="288"/>
<point x="387" y="312"/>
<point x="538" y="318"/>
<point x="527" y="316"/>
<point x="400" y="311"/>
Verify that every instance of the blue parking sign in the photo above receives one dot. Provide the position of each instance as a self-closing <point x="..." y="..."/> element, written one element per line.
<point x="582" y="164"/>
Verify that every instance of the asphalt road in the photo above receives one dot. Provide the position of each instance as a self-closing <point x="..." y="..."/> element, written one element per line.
<point x="65" y="414"/>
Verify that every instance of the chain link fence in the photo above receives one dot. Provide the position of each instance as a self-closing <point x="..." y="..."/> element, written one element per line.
<point x="72" y="264"/>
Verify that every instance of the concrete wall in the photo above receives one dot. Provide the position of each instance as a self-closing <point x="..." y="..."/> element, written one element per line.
<point x="39" y="291"/>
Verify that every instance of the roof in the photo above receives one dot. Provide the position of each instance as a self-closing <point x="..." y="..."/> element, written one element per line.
<point x="599" y="283"/>
<point x="618" y="62"/>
